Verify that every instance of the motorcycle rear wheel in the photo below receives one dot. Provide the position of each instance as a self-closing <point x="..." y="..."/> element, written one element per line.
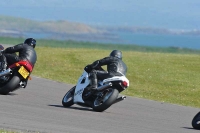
<point x="196" y="121"/>
<point x="11" y="85"/>
<point x="67" y="100"/>
<point x="104" y="101"/>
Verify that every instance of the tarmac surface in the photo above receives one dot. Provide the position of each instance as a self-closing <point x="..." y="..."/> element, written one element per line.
<point x="38" y="108"/>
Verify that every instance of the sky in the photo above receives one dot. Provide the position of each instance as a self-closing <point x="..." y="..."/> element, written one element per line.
<point x="171" y="14"/>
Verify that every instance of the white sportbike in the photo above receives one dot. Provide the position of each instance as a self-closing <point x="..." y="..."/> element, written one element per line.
<point x="106" y="94"/>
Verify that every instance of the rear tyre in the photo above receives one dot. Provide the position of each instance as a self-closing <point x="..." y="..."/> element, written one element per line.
<point x="67" y="100"/>
<point x="196" y="121"/>
<point x="105" y="100"/>
<point x="11" y="85"/>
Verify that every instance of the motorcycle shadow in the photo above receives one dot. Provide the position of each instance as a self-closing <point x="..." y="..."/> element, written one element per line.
<point x="190" y="128"/>
<point x="9" y="94"/>
<point x="75" y="108"/>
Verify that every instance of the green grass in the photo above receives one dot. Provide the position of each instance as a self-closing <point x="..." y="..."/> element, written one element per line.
<point x="4" y="131"/>
<point x="7" y="131"/>
<point x="159" y="74"/>
<point x="169" y="78"/>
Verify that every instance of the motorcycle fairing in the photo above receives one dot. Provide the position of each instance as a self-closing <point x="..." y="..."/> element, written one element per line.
<point x="82" y="83"/>
<point x="26" y="64"/>
<point x="116" y="78"/>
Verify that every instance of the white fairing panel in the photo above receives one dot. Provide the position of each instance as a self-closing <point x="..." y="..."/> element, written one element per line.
<point x="82" y="83"/>
<point x="117" y="78"/>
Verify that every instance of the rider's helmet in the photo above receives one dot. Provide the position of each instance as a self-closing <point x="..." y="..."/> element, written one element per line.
<point x="116" y="53"/>
<point x="31" y="42"/>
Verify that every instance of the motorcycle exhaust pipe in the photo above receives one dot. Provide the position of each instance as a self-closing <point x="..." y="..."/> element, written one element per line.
<point x="104" y="87"/>
<point x="6" y="72"/>
<point x="22" y="84"/>
<point x="119" y="99"/>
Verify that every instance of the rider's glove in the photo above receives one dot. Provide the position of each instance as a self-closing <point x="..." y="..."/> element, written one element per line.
<point x="95" y="64"/>
<point x="88" y="68"/>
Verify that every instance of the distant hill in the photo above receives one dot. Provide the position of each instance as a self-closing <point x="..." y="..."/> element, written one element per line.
<point x="15" y="25"/>
<point x="66" y="30"/>
<point x="20" y="25"/>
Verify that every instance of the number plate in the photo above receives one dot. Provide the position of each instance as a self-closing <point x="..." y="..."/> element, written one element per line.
<point x="23" y="72"/>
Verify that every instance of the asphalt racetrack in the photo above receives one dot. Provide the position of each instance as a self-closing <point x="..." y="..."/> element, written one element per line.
<point x="38" y="108"/>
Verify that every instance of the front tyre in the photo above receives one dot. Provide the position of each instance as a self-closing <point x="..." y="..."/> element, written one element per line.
<point x="67" y="100"/>
<point x="105" y="99"/>
<point x="196" y="121"/>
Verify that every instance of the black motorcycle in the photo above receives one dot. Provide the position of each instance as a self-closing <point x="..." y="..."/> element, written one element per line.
<point x="14" y="76"/>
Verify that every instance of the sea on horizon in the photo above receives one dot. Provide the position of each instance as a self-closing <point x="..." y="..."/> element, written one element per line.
<point x="127" y="38"/>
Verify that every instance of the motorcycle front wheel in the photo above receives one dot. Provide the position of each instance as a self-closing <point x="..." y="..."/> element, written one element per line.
<point x="67" y="100"/>
<point x="105" y="99"/>
<point x="196" y="121"/>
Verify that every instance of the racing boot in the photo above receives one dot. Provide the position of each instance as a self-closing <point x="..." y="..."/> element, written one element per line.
<point x="93" y="84"/>
<point x="93" y="80"/>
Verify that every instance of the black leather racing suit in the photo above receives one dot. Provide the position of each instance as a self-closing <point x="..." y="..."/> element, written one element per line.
<point x="115" y="67"/>
<point x="26" y="52"/>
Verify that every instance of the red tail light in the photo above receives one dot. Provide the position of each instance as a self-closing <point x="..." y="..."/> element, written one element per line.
<point x="125" y="84"/>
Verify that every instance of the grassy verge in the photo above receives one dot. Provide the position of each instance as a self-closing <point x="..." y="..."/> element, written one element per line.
<point x="8" y="131"/>
<point x="4" y="131"/>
